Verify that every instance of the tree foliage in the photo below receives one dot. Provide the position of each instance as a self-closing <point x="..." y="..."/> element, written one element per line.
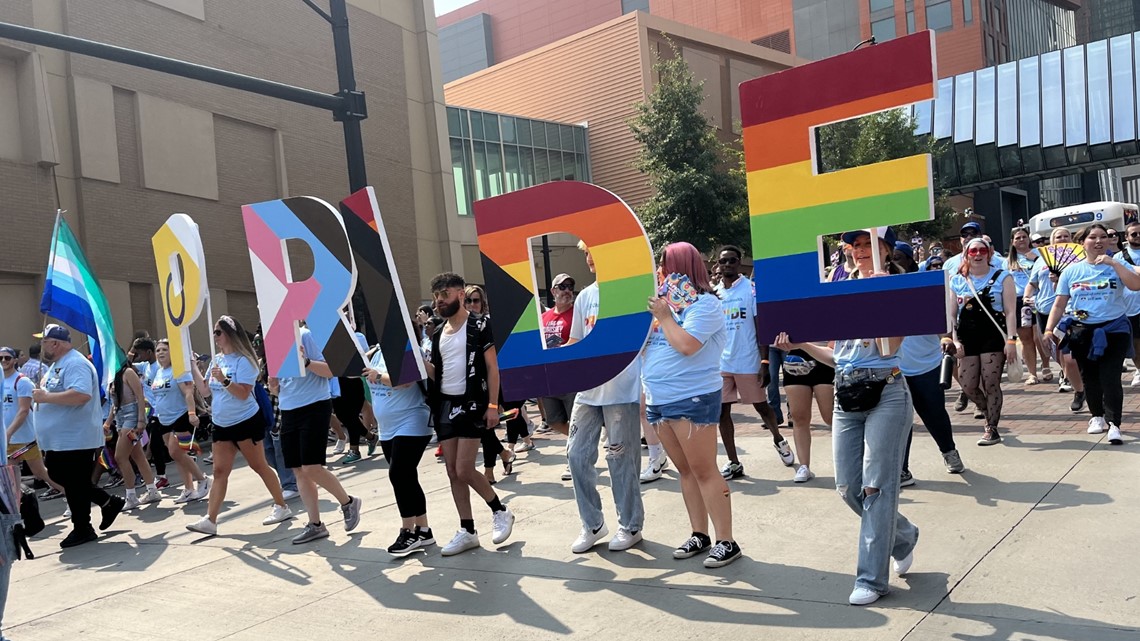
<point x="699" y="189"/>
<point x="887" y="135"/>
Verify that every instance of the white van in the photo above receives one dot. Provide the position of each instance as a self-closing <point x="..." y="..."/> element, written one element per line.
<point x="1076" y="218"/>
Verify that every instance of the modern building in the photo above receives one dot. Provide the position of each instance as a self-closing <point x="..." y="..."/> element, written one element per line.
<point x="124" y="148"/>
<point x="1100" y="19"/>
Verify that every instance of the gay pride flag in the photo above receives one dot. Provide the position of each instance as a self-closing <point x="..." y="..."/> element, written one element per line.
<point x="73" y="295"/>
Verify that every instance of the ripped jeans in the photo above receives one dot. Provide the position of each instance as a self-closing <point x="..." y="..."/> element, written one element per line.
<point x="868" y="450"/>
<point x="623" y="456"/>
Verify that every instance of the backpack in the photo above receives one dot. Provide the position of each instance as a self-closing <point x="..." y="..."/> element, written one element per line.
<point x="264" y="403"/>
<point x="30" y="513"/>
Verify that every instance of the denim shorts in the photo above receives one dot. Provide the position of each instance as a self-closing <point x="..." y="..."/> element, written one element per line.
<point x="700" y="410"/>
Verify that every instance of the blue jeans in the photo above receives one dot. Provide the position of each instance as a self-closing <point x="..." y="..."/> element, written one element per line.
<point x="623" y="456"/>
<point x="868" y="449"/>
<point x="8" y="554"/>
<point x="276" y="458"/>
<point x="775" y="361"/>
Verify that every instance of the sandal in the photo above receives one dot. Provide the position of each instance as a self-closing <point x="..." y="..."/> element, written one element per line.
<point x="1032" y="380"/>
<point x="509" y="465"/>
<point x="1046" y="375"/>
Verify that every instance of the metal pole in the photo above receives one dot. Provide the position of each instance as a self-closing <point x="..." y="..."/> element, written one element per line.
<point x="354" y="110"/>
<point x="546" y="268"/>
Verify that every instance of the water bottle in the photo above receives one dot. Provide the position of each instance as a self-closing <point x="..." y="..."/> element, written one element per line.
<point x="946" y="374"/>
<point x="1027" y="316"/>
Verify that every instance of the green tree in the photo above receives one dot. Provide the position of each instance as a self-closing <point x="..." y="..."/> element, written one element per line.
<point x="699" y="189"/>
<point x="887" y="135"/>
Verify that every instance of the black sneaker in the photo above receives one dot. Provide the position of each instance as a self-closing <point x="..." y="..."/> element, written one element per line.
<point x="961" y="403"/>
<point x="79" y="537"/>
<point x="721" y="554"/>
<point x="406" y="543"/>
<point x="906" y="480"/>
<point x="696" y="544"/>
<point x="111" y="511"/>
<point x="1078" y="402"/>
<point x="426" y="537"/>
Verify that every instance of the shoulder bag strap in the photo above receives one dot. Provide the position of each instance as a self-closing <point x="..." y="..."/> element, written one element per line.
<point x="974" y="291"/>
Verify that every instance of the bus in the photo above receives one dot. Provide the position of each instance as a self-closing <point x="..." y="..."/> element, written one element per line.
<point x="1075" y="218"/>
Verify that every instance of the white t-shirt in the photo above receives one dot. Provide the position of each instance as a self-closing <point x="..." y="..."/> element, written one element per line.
<point x="623" y="388"/>
<point x="452" y="350"/>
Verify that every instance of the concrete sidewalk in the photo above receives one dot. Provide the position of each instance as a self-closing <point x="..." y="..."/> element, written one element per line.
<point x="1032" y="542"/>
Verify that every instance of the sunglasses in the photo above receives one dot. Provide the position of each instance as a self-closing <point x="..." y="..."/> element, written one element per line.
<point x="5" y="359"/>
<point x="1133" y="234"/>
<point x="566" y="287"/>
<point x="472" y="301"/>
<point x="1042" y="241"/>
<point x="1112" y="235"/>
<point x="976" y="251"/>
<point x="731" y="260"/>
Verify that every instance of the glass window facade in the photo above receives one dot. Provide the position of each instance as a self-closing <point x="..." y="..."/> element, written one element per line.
<point x="493" y="154"/>
<point x="938" y="15"/>
<point x="884" y="29"/>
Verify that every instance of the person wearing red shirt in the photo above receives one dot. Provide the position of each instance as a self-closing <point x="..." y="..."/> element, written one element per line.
<point x="556" y="330"/>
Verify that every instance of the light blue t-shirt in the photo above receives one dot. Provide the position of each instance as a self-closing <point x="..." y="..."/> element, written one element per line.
<point x="227" y="410"/>
<point x="1131" y="298"/>
<point x="666" y="374"/>
<point x="18" y="386"/>
<point x="1020" y="276"/>
<point x="961" y="288"/>
<point x="741" y="354"/>
<point x="920" y="354"/>
<point x="299" y="391"/>
<point x="1095" y="292"/>
<point x="146" y="372"/>
<point x="399" y="412"/>
<point x="169" y="403"/>
<point x="623" y="388"/>
<point x="1046" y="293"/>
<point x="856" y="353"/>
<point x="62" y="428"/>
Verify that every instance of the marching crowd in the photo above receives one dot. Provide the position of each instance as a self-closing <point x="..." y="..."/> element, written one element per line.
<point x="702" y="357"/>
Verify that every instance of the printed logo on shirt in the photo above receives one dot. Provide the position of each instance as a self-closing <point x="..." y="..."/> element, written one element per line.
<point x="1098" y="284"/>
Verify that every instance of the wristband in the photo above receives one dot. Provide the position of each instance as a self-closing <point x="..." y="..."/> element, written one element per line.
<point x="192" y="413"/>
<point x="493" y="406"/>
<point x="1010" y="342"/>
<point x="948" y="340"/>
<point x="764" y="362"/>
<point x="308" y="361"/>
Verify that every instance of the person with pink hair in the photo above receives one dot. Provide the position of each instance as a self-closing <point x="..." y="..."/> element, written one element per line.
<point x="681" y="377"/>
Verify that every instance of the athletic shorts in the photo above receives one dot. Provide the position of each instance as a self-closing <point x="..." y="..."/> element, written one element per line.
<point x="819" y="375"/>
<point x="1135" y="322"/>
<point x="304" y="434"/>
<point x="251" y="429"/>
<point x="33" y="453"/>
<point x="181" y="425"/>
<point x="454" y="420"/>
<point x="744" y="388"/>
<point x="558" y="408"/>
<point x="700" y="410"/>
<point x="1043" y="321"/>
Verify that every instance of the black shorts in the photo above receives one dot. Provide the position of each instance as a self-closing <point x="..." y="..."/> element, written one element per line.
<point x="1042" y="322"/>
<point x="981" y="339"/>
<point x="181" y="425"/>
<point x="251" y="429"/>
<point x="467" y="423"/>
<point x="819" y="375"/>
<point x="1135" y="322"/>
<point x="304" y="434"/>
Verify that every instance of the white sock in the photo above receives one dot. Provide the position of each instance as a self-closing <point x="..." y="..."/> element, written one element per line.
<point x="655" y="451"/>
<point x="130" y="492"/>
<point x="152" y="487"/>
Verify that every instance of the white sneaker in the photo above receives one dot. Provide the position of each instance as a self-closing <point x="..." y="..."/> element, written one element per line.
<point x="1097" y="425"/>
<point x="130" y="503"/>
<point x="67" y="513"/>
<point x="280" y="513"/>
<point x="863" y="596"/>
<point x="1136" y="379"/>
<point x="654" y="468"/>
<point x="290" y="494"/>
<point x="152" y="496"/>
<point x="203" y="490"/>
<point x="785" y="452"/>
<point x="209" y="459"/>
<point x="502" y="523"/>
<point x="803" y="474"/>
<point x="566" y="476"/>
<point x="902" y="566"/>
<point x="589" y="538"/>
<point x="184" y="497"/>
<point x="624" y="540"/>
<point x="462" y="542"/>
<point x="204" y="526"/>
<point x="340" y="444"/>
<point x="1064" y="386"/>
<point x="1114" y="436"/>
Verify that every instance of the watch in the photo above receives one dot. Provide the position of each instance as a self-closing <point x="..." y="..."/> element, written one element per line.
<point x="226" y="382"/>
<point x="308" y="361"/>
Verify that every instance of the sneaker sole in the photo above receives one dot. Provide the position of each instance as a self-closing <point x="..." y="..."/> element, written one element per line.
<point x="418" y="547"/>
<point x="688" y="555"/>
<point x="310" y="539"/>
<point x="201" y="531"/>
<point x="985" y="443"/>
<point x="446" y="552"/>
<point x="710" y="563"/>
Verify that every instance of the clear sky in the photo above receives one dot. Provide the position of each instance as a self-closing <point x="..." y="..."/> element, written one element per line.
<point x="444" y="6"/>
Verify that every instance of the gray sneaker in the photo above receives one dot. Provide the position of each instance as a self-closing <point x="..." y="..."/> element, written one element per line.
<point x="312" y="532"/>
<point x="351" y="511"/>
<point x="953" y="462"/>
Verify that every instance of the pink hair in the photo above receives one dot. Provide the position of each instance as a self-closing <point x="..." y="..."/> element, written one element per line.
<point x="683" y="258"/>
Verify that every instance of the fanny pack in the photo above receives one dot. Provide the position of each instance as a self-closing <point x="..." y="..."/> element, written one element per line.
<point x="862" y="394"/>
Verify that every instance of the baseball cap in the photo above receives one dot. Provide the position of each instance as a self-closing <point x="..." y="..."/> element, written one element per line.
<point x="905" y="248"/>
<point x="57" y="332"/>
<point x="559" y="279"/>
<point x="9" y="351"/>
<point x="1036" y="237"/>
<point x="886" y="233"/>
<point x="977" y="229"/>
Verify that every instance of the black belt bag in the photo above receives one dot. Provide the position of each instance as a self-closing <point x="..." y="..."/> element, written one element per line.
<point x="861" y="394"/>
